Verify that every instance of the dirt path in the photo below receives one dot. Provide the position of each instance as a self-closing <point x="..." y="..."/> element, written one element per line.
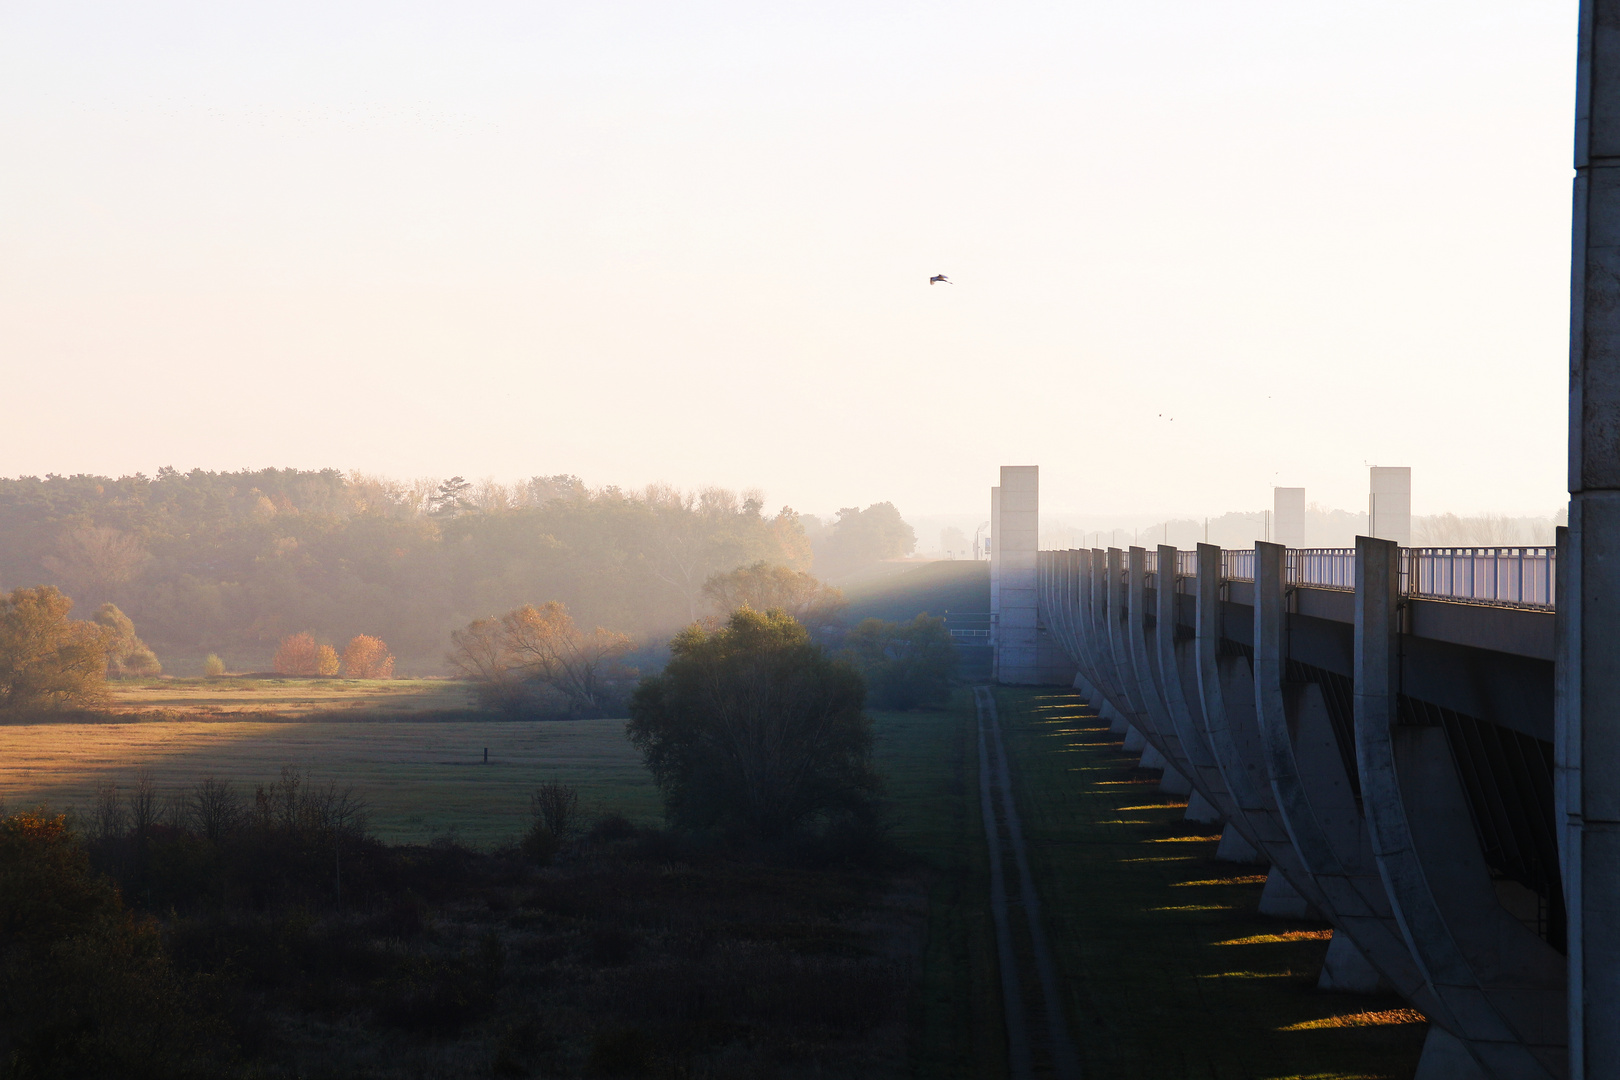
<point x="1056" y="1049"/>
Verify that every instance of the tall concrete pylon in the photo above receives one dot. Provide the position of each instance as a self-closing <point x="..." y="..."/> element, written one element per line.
<point x="1587" y="732"/>
<point x="1015" y="509"/>
<point x="1288" y="516"/>
<point x="1389" y="504"/>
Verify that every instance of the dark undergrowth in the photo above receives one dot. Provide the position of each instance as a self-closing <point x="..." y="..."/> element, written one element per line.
<point x="297" y="949"/>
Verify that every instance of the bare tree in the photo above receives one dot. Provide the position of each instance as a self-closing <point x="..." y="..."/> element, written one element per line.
<point x="213" y="809"/>
<point x="145" y="805"/>
<point x="92" y="562"/>
<point x="109" y="815"/>
<point x="549" y="648"/>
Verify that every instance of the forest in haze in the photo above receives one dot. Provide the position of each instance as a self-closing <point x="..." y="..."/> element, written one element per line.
<point x="234" y="562"/>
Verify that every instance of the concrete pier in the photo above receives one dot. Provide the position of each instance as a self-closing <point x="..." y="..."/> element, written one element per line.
<point x="1588" y="716"/>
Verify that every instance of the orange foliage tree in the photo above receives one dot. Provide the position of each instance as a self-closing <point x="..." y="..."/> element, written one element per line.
<point x="296" y="655"/>
<point x="366" y="657"/>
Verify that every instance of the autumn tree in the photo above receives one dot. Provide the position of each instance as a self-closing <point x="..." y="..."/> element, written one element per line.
<point x="127" y="654"/>
<point x="478" y="655"/>
<point x="539" y="648"/>
<point x="550" y="649"/>
<point x="366" y="657"/>
<point x="763" y="586"/>
<point x="752" y="728"/>
<point x="301" y="654"/>
<point x="48" y="660"/>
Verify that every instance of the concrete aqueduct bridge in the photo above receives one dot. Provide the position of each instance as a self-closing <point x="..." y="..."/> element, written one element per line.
<point x="1374" y="723"/>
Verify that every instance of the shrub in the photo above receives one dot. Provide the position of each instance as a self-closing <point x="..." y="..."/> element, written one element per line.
<point x="752" y="728"/>
<point x="366" y="657"/>
<point x="126" y="653"/>
<point x="85" y="988"/>
<point x="555" y="805"/>
<point x="213" y="665"/>
<point x="540" y="845"/>
<point x="326" y="660"/>
<point x="906" y="665"/>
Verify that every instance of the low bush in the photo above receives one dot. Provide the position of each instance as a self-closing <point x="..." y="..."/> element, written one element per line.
<point x="906" y="665"/>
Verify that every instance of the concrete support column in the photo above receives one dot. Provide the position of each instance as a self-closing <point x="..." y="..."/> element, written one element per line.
<point x="1588" y="725"/>
<point x="1017" y="592"/>
<point x="1288" y="516"/>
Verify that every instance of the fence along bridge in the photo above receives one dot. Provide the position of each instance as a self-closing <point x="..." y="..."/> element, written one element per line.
<point x="1375" y="723"/>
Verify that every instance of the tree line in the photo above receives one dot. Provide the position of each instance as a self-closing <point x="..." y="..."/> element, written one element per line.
<point x="232" y="563"/>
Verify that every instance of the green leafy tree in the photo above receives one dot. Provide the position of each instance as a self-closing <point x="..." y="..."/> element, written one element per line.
<point x="751" y="728"/>
<point x="862" y="537"/>
<point x="127" y="654"/>
<point x="48" y="660"/>
<point x="907" y="665"/>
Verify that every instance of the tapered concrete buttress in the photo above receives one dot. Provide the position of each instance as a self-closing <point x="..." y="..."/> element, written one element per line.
<point x="1172" y="654"/>
<point x="1134" y="629"/>
<point x="1281" y="900"/>
<point x="1087" y="679"/>
<point x="1140" y="656"/>
<point x="1588" y="736"/>
<point x="1102" y="640"/>
<point x="1226" y="701"/>
<point x="1503" y="983"/>
<point x="1129" y="697"/>
<point x="1345" y="970"/>
<point x="1236" y="848"/>
<point x="1316" y="804"/>
<point x="1201" y="810"/>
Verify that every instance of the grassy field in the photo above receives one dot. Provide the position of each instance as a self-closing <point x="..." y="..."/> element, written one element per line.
<point x="422" y="780"/>
<point x="1169" y="970"/>
<point x="258" y="697"/>
<point x="930" y="767"/>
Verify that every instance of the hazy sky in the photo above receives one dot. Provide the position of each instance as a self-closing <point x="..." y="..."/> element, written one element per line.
<point x="691" y="242"/>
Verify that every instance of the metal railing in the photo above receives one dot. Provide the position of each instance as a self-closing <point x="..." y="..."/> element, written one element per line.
<point x="1323" y="568"/>
<point x="1509" y="576"/>
<point x="1237" y="565"/>
<point x="1504" y="576"/>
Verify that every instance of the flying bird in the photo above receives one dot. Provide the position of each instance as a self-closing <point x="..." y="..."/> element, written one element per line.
<point x="940" y="277"/>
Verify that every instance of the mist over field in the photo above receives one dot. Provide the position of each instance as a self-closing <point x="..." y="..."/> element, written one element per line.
<point x="231" y="563"/>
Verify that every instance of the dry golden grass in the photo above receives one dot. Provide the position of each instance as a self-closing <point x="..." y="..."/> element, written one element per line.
<point x="1377" y="1018"/>
<point x="286" y="698"/>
